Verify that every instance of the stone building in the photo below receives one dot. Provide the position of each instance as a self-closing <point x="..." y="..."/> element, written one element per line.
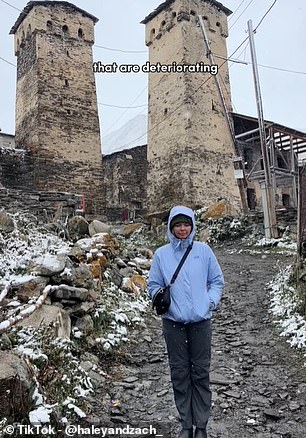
<point x="7" y="140"/>
<point x="189" y="156"/>
<point x="125" y="182"/>
<point x="190" y="146"/>
<point x="56" y="104"/>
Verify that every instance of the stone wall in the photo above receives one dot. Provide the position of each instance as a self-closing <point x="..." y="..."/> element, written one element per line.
<point x="18" y="189"/>
<point x="21" y="170"/>
<point x="47" y="206"/>
<point x="125" y="182"/>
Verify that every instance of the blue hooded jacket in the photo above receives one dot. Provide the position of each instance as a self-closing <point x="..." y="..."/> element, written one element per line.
<point x="199" y="284"/>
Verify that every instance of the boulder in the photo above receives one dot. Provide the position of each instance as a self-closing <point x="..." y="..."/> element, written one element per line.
<point x="103" y="261"/>
<point x="25" y="289"/>
<point x="116" y="276"/>
<point x="96" y="270"/>
<point x="204" y="235"/>
<point x="85" y="324"/>
<point x="142" y="263"/>
<point x="96" y="227"/>
<point x="146" y="252"/>
<point x="5" y="342"/>
<point x="218" y="210"/>
<point x="77" y="228"/>
<point x="65" y="292"/>
<point x="75" y="275"/>
<point x="106" y="241"/>
<point x="136" y="284"/>
<point x="120" y="263"/>
<point x="46" y="315"/>
<point x="76" y="253"/>
<point x="127" y="230"/>
<point x="6" y="222"/>
<point x="49" y="265"/>
<point x="81" y="309"/>
<point x="16" y="387"/>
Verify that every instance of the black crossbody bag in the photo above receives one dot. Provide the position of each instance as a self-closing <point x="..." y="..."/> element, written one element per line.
<point x="162" y="298"/>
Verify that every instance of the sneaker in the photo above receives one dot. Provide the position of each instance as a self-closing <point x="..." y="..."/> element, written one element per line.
<point x="200" y="433"/>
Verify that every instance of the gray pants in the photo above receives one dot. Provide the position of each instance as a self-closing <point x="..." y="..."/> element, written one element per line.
<point x="189" y="351"/>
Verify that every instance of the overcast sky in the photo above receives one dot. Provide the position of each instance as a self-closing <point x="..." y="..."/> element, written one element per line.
<point x="280" y="43"/>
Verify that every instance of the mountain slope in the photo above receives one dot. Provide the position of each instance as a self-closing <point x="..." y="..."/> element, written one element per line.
<point x="133" y="133"/>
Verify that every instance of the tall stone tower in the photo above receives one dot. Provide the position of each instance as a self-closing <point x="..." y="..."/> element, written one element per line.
<point x="56" y="104"/>
<point x="190" y="148"/>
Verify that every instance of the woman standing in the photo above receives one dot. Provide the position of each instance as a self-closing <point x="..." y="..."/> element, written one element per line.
<point x="186" y="325"/>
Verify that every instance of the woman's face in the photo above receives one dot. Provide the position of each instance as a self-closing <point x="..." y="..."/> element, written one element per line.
<point x="181" y="230"/>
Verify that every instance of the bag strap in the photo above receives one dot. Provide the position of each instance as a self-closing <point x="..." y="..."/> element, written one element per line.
<point x="181" y="263"/>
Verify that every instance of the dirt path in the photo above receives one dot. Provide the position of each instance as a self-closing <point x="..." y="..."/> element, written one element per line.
<point x="258" y="382"/>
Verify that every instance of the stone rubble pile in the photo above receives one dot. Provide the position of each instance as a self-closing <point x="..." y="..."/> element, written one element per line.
<point x="97" y="289"/>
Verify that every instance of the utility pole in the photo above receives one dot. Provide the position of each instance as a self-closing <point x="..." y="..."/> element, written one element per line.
<point x="268" y="201"/>
<point x="237" y="160"/>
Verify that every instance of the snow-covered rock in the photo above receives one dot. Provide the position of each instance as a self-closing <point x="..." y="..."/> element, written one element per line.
<point x="46" y="315"/>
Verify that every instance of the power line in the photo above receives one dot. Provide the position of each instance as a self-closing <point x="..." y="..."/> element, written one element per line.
<point x="95" y="45"/>
<point x="12" y="6"/>
<point x="237" y="61"/>
<point x="241" y="13"/>
<point x="265" y="15"/>
<point x="123" y="107"/>
<point x="200" y="86"/>
<point x="204" y="82"/>
<point x="282" y="69"/>
<point x="124" y="112"/>
<point x="120" y="50"/>
<point x="8" y="62"/>
<point x="236" y="10"/>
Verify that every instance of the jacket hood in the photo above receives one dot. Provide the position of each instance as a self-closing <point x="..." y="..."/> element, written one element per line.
<point x="180" y="209"/>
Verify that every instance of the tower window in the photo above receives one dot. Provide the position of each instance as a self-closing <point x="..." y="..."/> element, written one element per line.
<point x="162" y="23"/>
<point x="165" y="111"/>
<point x="65" y="28"/>
<point x="49" y="25"/>
<point x="152" y="33"/>
<point x="29" y="31"/>
<point x="66" y="83"/>
<point x="22" y="44"/>
<point x="173" y="14"/>
<point x="286" y="200"/>
<point x="80" y="33"/>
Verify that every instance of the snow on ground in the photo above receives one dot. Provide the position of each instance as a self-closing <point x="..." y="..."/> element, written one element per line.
<point x="23" y="246"/>
<point x="279" y="243"/>
<point x="285" y="306"/>
<point x="117" y="312"/>
<point x="20" y="252"/>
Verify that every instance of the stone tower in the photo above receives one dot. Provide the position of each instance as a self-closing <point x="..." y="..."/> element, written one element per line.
<point x="56" y="104"/>
<point x="190" y="148"/>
